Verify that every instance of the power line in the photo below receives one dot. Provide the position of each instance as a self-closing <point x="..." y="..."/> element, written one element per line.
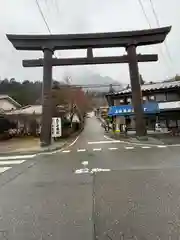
<point x="43" y="17"/>
<point x="147" y="19"/>
<point x="158" y="24"/>
<point x="155" y="14"/>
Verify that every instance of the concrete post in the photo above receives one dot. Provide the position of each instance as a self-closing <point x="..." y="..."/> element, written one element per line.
<point x="47" y="99"/>
<point x="136" y="91"/>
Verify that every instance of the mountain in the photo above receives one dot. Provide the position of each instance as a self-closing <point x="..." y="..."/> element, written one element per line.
<point x="91" y="79"/>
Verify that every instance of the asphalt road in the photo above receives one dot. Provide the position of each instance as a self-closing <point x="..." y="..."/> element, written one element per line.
<point x="135" y="196"/>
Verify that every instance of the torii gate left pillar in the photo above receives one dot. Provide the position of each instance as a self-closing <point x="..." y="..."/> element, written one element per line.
<point x="45" y="136"/>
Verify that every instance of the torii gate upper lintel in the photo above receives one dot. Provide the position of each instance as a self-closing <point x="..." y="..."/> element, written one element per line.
<point x="49" y="43"/>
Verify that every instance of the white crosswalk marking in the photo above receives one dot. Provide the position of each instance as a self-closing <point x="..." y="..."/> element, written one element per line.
<point x="17" y="157"/>
<point x="3" y="169"/>
<point x="10" y="161"/>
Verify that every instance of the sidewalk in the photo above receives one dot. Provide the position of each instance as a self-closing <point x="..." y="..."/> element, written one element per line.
<point x="155" y="138"/>
<point x="27" y="145"/>
<point x="131" y="138"/>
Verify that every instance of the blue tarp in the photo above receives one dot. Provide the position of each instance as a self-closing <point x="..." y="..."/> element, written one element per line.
<point x="125" y="110"/>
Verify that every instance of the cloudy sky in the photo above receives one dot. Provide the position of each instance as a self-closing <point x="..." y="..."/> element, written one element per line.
<point x="78" y="16"/>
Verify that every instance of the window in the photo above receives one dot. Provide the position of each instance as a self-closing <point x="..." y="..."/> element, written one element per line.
<point x="172" y="123"/>
<point x="178" y="123"/>
<point x="160" y="97"/>
<point x="172" y="96"/>
<point x="152" y="98"/>
<point x="129" y="100"/>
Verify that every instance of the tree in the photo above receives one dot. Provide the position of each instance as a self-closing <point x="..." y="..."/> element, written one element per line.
<point x="177" y="77"/>
<point x="73" y="98"/>
<point x="25" y="93"/>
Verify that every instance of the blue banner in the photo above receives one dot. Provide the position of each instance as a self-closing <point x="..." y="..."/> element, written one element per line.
<point x="125" y="110"/>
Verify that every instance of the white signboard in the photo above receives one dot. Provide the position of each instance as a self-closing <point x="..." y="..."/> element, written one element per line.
<point x="169" y="105"/>
<point x="56" y="127"/>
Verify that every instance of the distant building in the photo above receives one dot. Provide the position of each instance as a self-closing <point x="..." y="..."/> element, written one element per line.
<point x="7" y="103"/>
<point x="164" y="95"/>
<point x="27" y="116"/>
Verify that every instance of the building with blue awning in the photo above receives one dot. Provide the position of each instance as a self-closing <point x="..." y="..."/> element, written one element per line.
<point x="161" y="104"/>
<point x="127" y="110"/>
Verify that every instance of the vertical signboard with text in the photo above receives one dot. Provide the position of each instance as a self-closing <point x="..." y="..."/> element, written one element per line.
<point x="56" y="127"/>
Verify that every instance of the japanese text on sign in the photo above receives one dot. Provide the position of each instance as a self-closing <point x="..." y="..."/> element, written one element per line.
<point x="56" y="127"/>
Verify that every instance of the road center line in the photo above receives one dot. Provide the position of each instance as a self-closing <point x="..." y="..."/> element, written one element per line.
<point x="81" y="150"/>
<point x="97" y="149"/>
<point x="145" y="147"/>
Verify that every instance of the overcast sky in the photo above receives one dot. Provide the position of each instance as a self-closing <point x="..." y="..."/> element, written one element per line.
<point x="78" y="16"/>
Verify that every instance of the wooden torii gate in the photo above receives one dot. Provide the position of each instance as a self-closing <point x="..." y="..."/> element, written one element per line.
<point x="50" y="43"/>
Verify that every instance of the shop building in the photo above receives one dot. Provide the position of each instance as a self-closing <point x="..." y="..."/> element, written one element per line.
<point x="161" y="100"/>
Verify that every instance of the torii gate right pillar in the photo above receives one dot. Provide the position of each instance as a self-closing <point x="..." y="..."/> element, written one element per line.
<point x="136" y="91"/>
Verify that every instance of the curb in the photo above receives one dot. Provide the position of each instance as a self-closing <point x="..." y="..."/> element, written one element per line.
<point x="136" y="142"/>
<point x="43" y="150"/>
<point x="50" y="149"/>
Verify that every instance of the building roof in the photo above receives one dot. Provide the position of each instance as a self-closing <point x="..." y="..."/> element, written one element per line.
<point x="4" y="96"/>
<point x="27" y="110"/>
<point x="151" y="87"/>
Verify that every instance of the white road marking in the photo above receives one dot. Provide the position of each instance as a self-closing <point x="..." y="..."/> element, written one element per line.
<point x="62" y="149"/>
<point x="142" y="144"/>
<point x="3" y="169"/>
<point x="100" y="170"/>
<point x="86" y="170"/>
<point x="66" y="151"/>
<point x="84" y="163"/>
<point x="82" y="170"/>
<point x="129" y="147"/>
<point x="145" y="147"/>
<point x="17" y="157"/>
<point x="74" y="141"/>
<point x="81" y="150"/>
<point x="112" y="148"/>
<point x="161" y="146"/>
<point x="97" y="149"/>
<point x="102" y="142"/>
<point x="11" y="162"/>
